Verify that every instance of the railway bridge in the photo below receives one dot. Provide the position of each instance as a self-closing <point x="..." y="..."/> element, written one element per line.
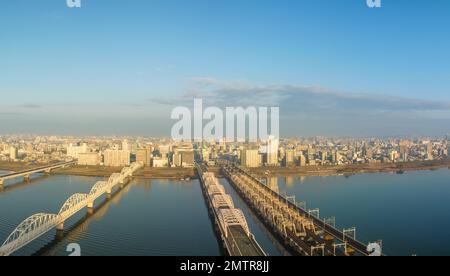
<point x="301" y="230"/>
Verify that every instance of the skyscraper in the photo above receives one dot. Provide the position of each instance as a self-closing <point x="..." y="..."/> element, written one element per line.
<point x="430" y="151"/>
<point x="116" y="158"/>
<point x="74" y="150"/>
<point x="250" y="158"/>
<point x="13" y="153"/>
<point x="272" y="151"/>
<point x="144" y="156"/>
<point x="289" y="158"/>
<point x="302" y="160"/>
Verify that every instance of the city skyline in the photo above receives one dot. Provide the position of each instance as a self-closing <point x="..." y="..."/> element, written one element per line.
<point x="335" y="68"/>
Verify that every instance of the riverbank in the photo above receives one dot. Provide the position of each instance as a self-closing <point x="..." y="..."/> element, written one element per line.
<point x="17" y="166"/>
<point x="351" y="169"/>
<point x="183" y="173"/>
<point x="145" y="173"/>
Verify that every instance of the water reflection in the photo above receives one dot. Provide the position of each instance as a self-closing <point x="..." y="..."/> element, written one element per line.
<point x="272" y="183"/>
<point x="79" y="229"/>
<point x="289" y="181"/>
<point x="149" y="218"/>
<point x="386" y="206"/>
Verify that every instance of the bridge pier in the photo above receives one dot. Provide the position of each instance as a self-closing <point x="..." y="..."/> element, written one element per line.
<point x="60" y="226"/>
<point x="26" y="178"/>
<point x="48" y="171"/>
<point x="90" y="208"/>
<point x="2" y="181"/>
<point x="122" y="183"/>
<point x="59" y="235"/>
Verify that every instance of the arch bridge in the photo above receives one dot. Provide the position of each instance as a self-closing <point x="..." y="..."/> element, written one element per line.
<point x="39" y="224"/>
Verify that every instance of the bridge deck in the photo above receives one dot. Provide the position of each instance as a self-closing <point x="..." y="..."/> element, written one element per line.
<point x="35" y="170"/>
<point x="246" y="246"/>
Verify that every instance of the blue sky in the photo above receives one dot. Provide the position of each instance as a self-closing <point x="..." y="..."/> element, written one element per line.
<point x="335" y="67"/>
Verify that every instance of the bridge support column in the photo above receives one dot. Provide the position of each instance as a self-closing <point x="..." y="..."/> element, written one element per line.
<point x="26" y="178"/>
<point x="90" y="208"/>
<point x="1" y="182"/>
<point x="122" y="183"/>
<point x="48" y="171"/>
<point x="60" y="227"/>
<point x="59" y="235"/>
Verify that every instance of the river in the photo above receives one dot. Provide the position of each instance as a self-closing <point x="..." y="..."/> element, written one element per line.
<point x="408" y="212"/>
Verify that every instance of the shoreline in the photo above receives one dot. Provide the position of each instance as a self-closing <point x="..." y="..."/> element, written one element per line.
<point x="189" y="173"/>
<point x="348" y="170"/>
<point x="145" y="173"/>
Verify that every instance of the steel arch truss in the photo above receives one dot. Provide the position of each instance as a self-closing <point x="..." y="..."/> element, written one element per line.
<point x="114" y="179"/>
<point x="216" y="190"/>
<point x="233" y="217"/>
<point x="39" y="224"/>
<point x="73" y="205"/>
<point x="98" y="189"/>
<point x="28" y="230"/>
<point x="222" y="201"/>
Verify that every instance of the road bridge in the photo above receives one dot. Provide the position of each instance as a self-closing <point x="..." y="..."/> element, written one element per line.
<point x="27" y="173"/>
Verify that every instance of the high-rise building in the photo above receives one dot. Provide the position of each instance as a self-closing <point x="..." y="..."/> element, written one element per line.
<point x="164" y="150"/>
<point x="324" y="156"/>
<point x="272" y="151"/>
<point x="337" y="157"/>
<point x="187" y="159"/>
<point x="126" y="145"/>
<point x="13" y="153"/>
<point x="160" y="162"/>
<point x="176" y="160"/>
<point x="302" y="161"/>
<point x="116" y="158"/>
<point x="311" y="153"/>
<point x="289" y="158"/>
<point x="430" y="151"/>
<point x="144" y="156"/>
<point x="404" y="149"/>
<point x="369" y="153"/>
<point x="394" y="155"/>
<point x="250" y="158"/>
<point x="74" y="150"/>
<point x="89" y="159"/>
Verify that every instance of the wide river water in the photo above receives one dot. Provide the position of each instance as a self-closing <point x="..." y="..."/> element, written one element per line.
<point x="410" y="213"/>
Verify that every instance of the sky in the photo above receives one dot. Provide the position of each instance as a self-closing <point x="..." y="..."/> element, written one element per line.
<point x="334" y="67"/>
